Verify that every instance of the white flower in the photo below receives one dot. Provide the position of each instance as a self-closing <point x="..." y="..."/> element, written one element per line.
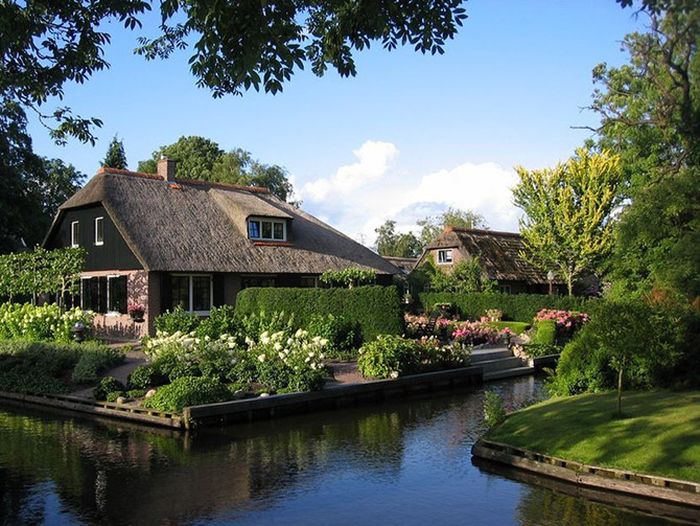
<point x="261" y="358"/>
<point x="394" y="375"/>
<point x="278" y="346"/>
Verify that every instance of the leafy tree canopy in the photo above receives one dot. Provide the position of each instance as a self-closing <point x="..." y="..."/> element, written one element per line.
<point x="115" y="157"/>
<point x="200" y="158"/>
<point x="567" y="226"/>
<point x="392" y="243"/>
<point x="650" y="117"/>
<point x="432" y="227"/>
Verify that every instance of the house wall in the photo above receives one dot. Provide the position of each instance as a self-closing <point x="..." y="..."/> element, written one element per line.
<point x="113" y="254"/>
<point x="121" y="326"/>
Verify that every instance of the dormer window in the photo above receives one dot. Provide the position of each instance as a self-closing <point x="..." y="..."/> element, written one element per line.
<point x="267" y="229"/>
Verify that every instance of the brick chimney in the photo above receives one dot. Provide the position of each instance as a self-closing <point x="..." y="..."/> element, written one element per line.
<point x="166" y="168"/>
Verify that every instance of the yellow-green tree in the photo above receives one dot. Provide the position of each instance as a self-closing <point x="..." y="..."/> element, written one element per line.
<point x="567" y="227"/>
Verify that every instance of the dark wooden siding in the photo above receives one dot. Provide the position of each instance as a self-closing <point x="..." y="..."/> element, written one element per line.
<point x="114" y="254"/>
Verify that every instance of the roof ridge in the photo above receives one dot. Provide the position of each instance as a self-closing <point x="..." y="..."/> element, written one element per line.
<point x="195" y="182"/>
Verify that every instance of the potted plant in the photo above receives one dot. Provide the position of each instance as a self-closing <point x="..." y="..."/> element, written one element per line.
<point x="136" y="311"/>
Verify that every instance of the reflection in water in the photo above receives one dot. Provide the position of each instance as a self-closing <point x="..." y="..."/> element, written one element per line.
<point x="402" y="462"/>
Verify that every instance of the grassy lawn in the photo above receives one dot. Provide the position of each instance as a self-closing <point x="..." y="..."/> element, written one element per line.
<point x="660" y="434"/>
<point x="518" y="327"/>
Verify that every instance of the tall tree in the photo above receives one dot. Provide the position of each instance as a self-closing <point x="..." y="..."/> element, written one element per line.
<point x="567" y="225"/>
<point x="392" y="243"/>
<point x="200" y="158"/>
<point x="432" y="227"/>
<point x="650" y="116"/>
<point x="115" y="157"/>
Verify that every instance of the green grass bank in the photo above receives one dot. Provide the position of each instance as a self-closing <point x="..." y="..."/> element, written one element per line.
<point x="659" y="436"/>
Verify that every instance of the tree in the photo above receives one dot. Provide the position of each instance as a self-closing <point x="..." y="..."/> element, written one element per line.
<point x="650" y="117"/>
<point x="115" y="157"/>
<point x="200" y="158"/>
<point x="50" y="44"/>
<point x="466" y="277"/>
<point x="392" y="243"/>
<point x="567" y="225"/>
<point x="432" y="227"/>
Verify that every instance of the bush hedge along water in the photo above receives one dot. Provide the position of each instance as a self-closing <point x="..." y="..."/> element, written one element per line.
<point x="376" y="309"/>
<point x="519" y="307"/>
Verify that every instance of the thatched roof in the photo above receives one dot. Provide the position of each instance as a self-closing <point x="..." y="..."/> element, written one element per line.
<point x="500" y="253"/>
<point x="405" y="265"/>
<point x="197" y="226"/>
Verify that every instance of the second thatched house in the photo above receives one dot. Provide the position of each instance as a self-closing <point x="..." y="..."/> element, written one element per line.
<point x="500" y="256"/>
<point x="160" y="241"/>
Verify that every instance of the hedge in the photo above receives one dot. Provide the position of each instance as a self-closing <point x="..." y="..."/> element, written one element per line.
<point x="376" y="309"/>
<point x="519" y="307"/>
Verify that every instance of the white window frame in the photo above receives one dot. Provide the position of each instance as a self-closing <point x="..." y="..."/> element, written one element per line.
<point x="272" y="221"/>
<point x="74" y="243"/>
<point x="102" y="242"/>
<point x="442" y="256"/>
<point x="191" y="290"/>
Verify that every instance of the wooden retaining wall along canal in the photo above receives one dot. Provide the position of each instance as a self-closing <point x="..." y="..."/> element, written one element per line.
<point x="108" y="409"/>
<point x="331" y="398"/>
<point x="641" y="485"/>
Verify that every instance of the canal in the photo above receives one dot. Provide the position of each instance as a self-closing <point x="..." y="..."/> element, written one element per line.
<point x="402" y="462"/>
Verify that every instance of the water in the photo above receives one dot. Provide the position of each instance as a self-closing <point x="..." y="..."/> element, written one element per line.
<point x="405" y="462"/>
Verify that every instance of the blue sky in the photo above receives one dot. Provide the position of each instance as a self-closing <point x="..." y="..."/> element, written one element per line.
<point x="407" y="137"/>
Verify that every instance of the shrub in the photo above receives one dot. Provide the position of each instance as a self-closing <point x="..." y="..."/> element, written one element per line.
<point x="645" y="342"/>
<point x="567" y="322"/>
<point x="177" y="320"/>
<point x="545" y="332"/>
<point x="107" y="385"/>
<point x="535" y="350"/>
<point x="519" y="307"/>
<point x="494" y="411"/>
<point x="146" y="376"/>
<point x="389" y="357"/>
<point x="188" y="391"/>
<point x="40" y="323"/>
<point x="221" y="320"/>
<point x="112" y="397"/>
<point x="136" y="393"/>
<point x="252" y="325"/>
<point x="343" y="336"/>
<point x="37" y="367"/>
<point x="94" y="360"/>
<point x="475" y="333"/>
<point x="377" y="310"/>
<point x="289" y="363"/>
<point x="349" y="277"/>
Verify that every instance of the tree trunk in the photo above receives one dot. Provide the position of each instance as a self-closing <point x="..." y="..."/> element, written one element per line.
<point x="619" y="392"/>
<point x="570" y="283"/>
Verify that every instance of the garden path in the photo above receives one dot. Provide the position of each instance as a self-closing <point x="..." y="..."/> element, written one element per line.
<point x="132" y="360"/>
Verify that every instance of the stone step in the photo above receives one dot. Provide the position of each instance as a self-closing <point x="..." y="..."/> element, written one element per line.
<point x="499" y="364"/>
<point x="508" y="373"/>
<point x="490" y="354"/>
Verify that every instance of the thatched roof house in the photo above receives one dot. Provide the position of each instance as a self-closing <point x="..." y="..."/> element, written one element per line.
<point x="500" y="255"/>
<point x="404" y="265"/>
<point x="161" y="241"/>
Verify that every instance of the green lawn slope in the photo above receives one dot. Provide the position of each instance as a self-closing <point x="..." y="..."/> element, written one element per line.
<point x="660" y="434"/>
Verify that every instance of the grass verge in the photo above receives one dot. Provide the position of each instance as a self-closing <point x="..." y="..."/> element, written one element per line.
<point x="660" y="434"/>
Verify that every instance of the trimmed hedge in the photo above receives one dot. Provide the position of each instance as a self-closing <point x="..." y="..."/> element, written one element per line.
<point x="376" y="309"/>
<point x="519" y="307"/>
<point x="545" y="332"/>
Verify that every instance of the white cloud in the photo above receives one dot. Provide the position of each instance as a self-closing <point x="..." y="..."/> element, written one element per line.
<point x="361" y="196"/>
<point x="373" y="160"/>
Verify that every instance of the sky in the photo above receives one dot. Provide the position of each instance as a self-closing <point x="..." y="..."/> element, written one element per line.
<point x="406" y="138"/>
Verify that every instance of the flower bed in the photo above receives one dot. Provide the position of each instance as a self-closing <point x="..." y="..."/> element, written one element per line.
<point x="40" y="323"/>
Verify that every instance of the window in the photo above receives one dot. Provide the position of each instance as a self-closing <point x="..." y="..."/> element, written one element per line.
<point x="310" y="282"/>
<point x="75" y="234"/>
<point x="99" y="231"/>
<point x="267" y="229"/>
<point x="257" y="281"/>
<point x="192" y="292"/>
<point x="445" y="256"/>
<point x="104" y="294"/>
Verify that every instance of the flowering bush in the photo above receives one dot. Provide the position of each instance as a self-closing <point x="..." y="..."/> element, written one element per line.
<point x="475" y="332"/>
<point x="567" y="321"/>
<point x="46" y="322"/>
<point x="281" y="361"/>
<point x="494" y="314"/>
<point x="417" y="326"/>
